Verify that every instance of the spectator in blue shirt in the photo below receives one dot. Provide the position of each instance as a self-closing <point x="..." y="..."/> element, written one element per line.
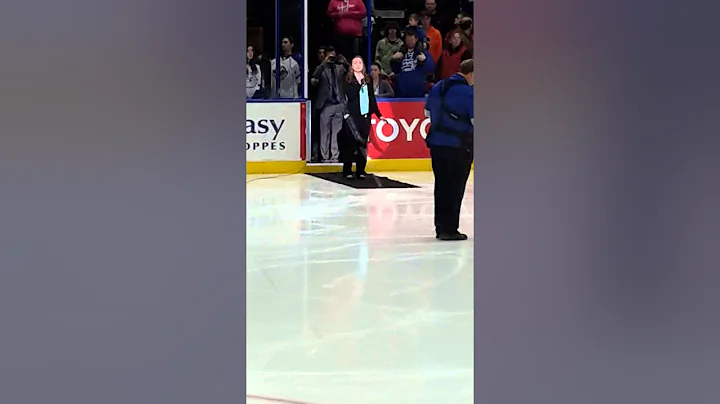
<point x="415" y="23"/>
<point x="411" y="69"/>
<point x="450" y="109"/>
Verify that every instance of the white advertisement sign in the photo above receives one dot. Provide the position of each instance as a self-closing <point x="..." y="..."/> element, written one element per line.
<point x="273" y="131"/>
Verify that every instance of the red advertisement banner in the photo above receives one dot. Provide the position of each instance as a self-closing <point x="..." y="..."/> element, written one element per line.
<point x="402" y="135"/>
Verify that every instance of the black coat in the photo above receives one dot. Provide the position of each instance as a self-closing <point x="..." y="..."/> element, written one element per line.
<point x="324" y="74"/>
<point x="265" y="72"/>
<point x="357" y="127"/>
<point x="352" y="91"/>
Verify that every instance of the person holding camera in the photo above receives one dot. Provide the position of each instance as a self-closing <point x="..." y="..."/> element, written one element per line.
<point x="330" y="102"/>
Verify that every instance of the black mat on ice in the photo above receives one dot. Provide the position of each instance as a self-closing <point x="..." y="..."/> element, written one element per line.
<point x="371" y="182"/>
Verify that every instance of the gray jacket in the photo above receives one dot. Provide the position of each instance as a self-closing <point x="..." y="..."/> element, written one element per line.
<point x="384" y="89"/>
<point x="323" y="75"/>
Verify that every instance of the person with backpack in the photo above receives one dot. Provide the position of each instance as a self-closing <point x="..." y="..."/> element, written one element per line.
<point x="449" y="106"/>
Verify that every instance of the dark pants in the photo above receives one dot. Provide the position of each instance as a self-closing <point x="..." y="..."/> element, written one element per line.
<point x="451" y="167"/>
<point x="352" y="151"/>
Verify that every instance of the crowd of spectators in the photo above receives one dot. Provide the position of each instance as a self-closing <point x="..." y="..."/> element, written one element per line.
<point x="407" y="58"/>
<point x="261" y="73"/>
<point x="405" y="61"/>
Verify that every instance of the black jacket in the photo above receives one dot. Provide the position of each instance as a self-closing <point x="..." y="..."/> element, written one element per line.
<point x="324" y="74"/>
<point x="264" y="65"/>
<point x="352" y="91"/>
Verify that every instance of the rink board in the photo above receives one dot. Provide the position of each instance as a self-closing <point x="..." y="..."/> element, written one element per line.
<point x="277" y="137"/>
<point x="299" y="167"/>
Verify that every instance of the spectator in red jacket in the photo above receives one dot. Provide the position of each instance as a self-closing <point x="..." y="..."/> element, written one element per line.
<point x="452" y="56"/>
<point x="347" y="15"/>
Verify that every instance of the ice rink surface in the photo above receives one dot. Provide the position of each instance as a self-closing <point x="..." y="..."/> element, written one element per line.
<point x="351" y="300"/>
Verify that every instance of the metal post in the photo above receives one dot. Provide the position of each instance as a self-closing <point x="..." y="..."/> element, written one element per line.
<point x="369" y="8"/>
<point x="305" y="52"/>
<point x="278" y="50"/>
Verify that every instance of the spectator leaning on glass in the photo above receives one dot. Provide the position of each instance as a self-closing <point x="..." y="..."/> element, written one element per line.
<point x="381" y="87"/>
<point x="330" y="101"/>
<point x="388" y="45"/>
<point x="411" y="69"/>
<point x="289" y="72"/>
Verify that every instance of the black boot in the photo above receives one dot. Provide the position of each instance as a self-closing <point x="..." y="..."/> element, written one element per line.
<point x="452" y="236"/>
<point x="347" y="171"/>
<point x="360" y="169"/>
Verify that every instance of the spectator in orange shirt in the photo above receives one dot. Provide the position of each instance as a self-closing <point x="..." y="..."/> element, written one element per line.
<point x="433" y="35"/>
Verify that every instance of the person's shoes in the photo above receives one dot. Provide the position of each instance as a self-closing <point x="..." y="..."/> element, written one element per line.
<point x="362" y="176"/>
<point x="452" y="237"/>
<point x="348" y="176"/>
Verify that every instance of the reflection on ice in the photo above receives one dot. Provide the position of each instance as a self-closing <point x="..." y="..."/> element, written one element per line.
<point x="350" y="297"/>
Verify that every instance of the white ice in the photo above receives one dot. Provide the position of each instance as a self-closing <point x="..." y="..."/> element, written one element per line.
<point x="351" y="300"/>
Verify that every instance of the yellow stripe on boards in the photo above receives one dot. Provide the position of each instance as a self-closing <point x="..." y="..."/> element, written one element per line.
<point x="300" y="167"/>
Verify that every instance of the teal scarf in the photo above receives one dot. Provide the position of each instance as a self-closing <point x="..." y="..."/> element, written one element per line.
<point x="364" y="100"/>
